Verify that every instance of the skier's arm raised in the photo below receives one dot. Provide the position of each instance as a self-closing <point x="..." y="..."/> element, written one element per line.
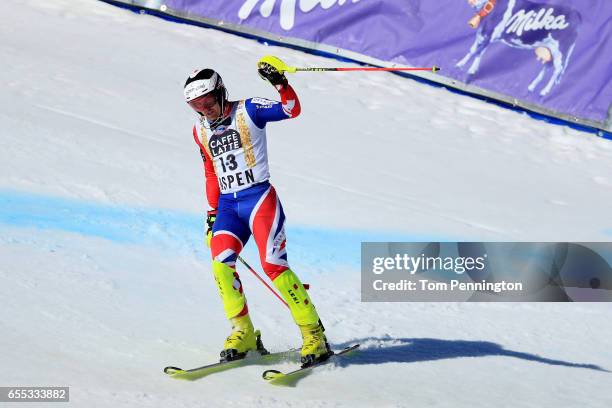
<point x="263" y="111"/>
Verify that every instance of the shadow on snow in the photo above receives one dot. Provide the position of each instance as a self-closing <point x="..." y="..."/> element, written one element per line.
<point x="416" y="350"/>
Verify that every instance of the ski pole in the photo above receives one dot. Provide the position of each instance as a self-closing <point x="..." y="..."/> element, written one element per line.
<point x="282" y="67"/>
<point x="431" y="69"/>
<point x="261" y="279"/>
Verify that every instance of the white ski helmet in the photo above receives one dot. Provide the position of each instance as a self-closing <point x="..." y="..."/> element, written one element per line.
<point x="202" y="82"/>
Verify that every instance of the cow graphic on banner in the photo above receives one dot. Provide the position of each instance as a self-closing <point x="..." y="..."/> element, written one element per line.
<point x="550" y="31"/>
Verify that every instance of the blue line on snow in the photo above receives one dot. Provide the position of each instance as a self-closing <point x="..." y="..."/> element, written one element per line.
<point x="175" y="230"/>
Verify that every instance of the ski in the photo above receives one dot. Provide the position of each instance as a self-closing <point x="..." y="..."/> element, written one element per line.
<point x="251" y="359"/>
<point x="278" y="378"/>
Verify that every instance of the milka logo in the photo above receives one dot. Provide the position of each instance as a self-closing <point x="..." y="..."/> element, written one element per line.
<point x="532" y="21"/>
<point x="287" y="8"/>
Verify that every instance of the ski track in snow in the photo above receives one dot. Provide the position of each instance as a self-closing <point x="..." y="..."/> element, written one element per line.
<point x="104" y="279"/>
<point x="93" y="121"/>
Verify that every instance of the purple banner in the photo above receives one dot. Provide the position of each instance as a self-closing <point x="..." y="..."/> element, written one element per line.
<point x="554" y="54"/>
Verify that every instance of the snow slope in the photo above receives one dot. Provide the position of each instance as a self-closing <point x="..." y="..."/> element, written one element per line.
<point x="104" y="280"/>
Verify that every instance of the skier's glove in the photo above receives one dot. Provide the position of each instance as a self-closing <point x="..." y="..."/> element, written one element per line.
<point x="210" y="220"/>
<point x="272" y="74"/>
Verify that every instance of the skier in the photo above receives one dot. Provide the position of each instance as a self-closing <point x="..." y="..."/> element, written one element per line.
<point x="231" y="136"/>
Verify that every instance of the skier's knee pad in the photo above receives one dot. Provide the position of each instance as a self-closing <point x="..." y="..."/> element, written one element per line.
<point x="230" y="288"/>
<point x="294" y="293"/>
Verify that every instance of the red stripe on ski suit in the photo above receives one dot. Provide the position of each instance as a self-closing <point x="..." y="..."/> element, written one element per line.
<point x="212" y="184"/>
<point x="263" y="229"/>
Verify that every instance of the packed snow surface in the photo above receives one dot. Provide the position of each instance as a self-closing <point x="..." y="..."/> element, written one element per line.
<point x="104" y="279"/>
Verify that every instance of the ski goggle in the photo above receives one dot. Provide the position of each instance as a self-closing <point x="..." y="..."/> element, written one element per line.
<point x="204" y="102"/>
